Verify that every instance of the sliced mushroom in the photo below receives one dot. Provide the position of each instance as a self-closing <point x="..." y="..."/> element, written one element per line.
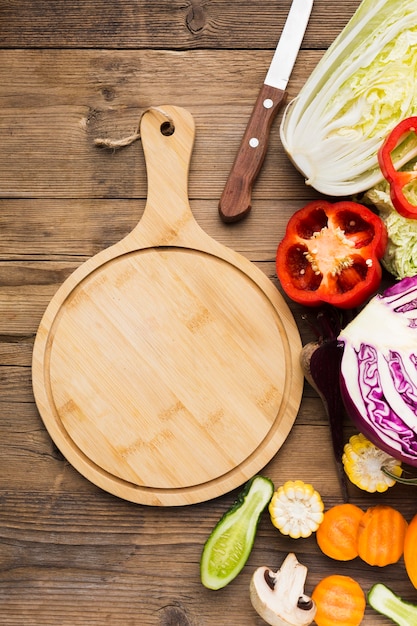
<point x="279" y="598"/>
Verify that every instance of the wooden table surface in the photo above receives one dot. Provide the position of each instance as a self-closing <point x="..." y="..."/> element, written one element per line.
<point x="70" y="553"/>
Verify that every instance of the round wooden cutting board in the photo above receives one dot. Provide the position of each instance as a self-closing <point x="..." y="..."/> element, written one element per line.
<point x="166" y="367"/>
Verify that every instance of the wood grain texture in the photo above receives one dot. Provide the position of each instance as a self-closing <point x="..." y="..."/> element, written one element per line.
<point x="77" y="96"/>
<point x="173" y="24"/>
<point x="166" y="368"/>
<point x="71" y="553"/>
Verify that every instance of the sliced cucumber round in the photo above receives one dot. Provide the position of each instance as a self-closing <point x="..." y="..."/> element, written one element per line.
<point x="230" y="543"/>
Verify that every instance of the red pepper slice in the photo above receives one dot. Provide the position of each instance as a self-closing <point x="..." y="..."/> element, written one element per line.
<point x="398" y="180"/>
<point x="330" y="254"/>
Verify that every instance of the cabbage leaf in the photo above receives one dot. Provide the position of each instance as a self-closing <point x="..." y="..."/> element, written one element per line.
<point x="362" y="87"/>
<point x="400" y="257"/>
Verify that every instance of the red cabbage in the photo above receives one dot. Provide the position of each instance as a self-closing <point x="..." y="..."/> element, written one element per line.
<point x="378" y="376"/>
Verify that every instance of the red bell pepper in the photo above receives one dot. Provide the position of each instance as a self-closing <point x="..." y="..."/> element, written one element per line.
<point x="398" y="180"/>
<point x="330" y="254"/>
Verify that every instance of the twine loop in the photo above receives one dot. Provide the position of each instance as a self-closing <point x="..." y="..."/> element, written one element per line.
<point x="114" y="144"/>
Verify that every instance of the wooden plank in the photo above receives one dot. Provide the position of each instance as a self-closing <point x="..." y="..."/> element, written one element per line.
<point x="73" y="230"/>
<point x="16" y="381"/>
<point x="77" y="96"/>
<point x="172" y="24"/>
<point x="16" y="351"/>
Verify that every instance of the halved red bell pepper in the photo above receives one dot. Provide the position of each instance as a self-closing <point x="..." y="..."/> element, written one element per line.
<point x="330" y="254"/>
<point x="398" y="180"/>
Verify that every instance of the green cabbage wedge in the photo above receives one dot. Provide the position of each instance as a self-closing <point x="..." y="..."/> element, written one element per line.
<point x="362" y="87"/>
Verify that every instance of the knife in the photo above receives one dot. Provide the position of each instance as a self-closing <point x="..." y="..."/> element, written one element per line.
<point x="235" y="201"/>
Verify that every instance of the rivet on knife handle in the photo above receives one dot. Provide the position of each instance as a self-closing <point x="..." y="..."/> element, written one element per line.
<point x="235" y="201"/>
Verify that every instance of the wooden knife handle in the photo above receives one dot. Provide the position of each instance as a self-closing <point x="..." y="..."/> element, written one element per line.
<point x="235" y="201"/>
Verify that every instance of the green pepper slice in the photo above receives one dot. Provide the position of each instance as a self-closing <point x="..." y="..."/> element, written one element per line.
<point x="230" y="543"/>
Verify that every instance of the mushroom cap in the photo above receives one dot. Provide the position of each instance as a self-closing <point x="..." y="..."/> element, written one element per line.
<point x="278" y="604"/>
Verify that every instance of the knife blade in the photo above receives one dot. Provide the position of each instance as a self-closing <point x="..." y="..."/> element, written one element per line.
<point x="235" y="201"/>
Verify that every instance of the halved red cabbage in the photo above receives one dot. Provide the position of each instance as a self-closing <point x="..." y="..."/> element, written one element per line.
<point x="379" y="370"/>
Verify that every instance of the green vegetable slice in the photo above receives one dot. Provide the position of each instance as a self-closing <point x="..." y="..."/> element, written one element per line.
<point x="230" y="543"/>
<point x="386" y="602"/>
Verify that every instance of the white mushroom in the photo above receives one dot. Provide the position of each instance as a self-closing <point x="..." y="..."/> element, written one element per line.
<point x="278" y="597"/>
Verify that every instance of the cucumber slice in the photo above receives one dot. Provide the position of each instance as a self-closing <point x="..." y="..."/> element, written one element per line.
<point x="230" y="543"/>
<point x="385" y="601"/>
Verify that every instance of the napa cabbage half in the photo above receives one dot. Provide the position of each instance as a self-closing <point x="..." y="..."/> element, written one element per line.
<point x="362" y="87"/>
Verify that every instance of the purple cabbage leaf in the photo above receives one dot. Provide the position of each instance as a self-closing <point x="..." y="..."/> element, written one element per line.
<point x="379" y="371"/>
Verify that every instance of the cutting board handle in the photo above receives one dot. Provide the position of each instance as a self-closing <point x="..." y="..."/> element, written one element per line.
<point x="167" y="135"/>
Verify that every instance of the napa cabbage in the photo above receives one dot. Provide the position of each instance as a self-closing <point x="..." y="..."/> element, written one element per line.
<point x="362" y="87"/>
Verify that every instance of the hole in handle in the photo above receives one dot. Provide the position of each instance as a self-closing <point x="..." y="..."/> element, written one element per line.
<point x="167" y="128"/>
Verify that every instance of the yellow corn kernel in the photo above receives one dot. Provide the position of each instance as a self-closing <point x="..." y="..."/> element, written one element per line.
<point x="362" y="461"/>
<point x="296" y="509"/>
